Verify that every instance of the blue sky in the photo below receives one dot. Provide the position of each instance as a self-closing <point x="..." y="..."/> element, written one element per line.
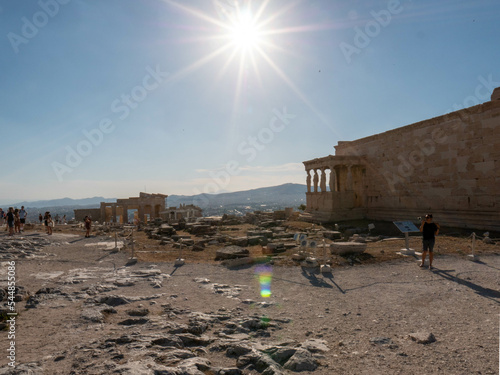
<point x="113" y="97"/>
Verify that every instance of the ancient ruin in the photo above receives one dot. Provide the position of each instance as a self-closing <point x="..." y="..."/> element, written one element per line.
<point x="187" y="212"/>
<point x="448" y="165"/>
<point x="148" y="207"/>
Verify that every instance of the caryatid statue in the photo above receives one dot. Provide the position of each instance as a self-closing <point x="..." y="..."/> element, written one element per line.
<point x="333" y="179"/>
<point x="323" y="180"/>
<point x="316" y="178"/>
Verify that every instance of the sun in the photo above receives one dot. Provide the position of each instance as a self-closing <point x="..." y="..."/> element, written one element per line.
<point x="248" y="36"/>
<point x="244" y="33"/>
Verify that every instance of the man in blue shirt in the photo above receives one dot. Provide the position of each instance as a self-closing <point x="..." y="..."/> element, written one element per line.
<point x="429" y="232"/>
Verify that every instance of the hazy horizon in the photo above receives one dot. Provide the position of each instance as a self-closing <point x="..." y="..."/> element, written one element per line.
<point x="116" y="97"/>
<point x="10" y="202"/>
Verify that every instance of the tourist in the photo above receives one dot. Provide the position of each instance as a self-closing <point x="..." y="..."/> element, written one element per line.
<point x="46" y="221"/>
<point x="17" y="221"/>
<point x="40" y="218"/>
<point x="88" y="225"/>
<point x="429" y="232"/>
<point x="23" y="214"/>
<point x="50" y="224"/>
<point x="10" y="221"/>
<point x="2" y="216"/>
<point x="64" y="220"/>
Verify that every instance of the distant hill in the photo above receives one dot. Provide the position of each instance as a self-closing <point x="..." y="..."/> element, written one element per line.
<point x="64" y="202"/>
<point x="268" y="198"/>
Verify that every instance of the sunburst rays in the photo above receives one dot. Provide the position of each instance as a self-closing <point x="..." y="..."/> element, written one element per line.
<point x="246" y="35"/>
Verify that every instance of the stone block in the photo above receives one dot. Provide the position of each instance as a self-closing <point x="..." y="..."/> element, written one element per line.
<point x="283" y="235"/>
<point x="231" y="252"/>
<point x="200" y="229"/>
<point x="166" y="229"/>
<point x="449" y="154"/>
<point x="495" y="95"/>
<point x="177" y="237"/>
<point x="485" y="167"/>
<point x="332" y="235"/>
<point x="485" y="201"/>
<point x="256" y="240"/>
<point x="239" y="241"/>
<point x="346" y="248"/>
<point x="266" y="233"/>
<point x="186" y="241"/>
<point x="273" y="248"/>
<point x="490" y="123"/>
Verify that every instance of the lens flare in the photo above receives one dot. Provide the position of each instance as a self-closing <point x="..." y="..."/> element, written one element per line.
<point x="265" y="274"/>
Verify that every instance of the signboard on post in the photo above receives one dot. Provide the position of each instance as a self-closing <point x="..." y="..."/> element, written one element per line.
<point x="406" y="227"/>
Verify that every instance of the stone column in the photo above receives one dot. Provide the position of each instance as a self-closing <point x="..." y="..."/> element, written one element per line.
<point x="103" y="212"/>
<point x="140" y="213"/>
<point x="349" y="178"/>
<point x="124" y="214"/>
<point x="308" y="180"/>
<point x="315" y="180"/>
<point x="333" y="179"/>
<point x="323" y="180"/>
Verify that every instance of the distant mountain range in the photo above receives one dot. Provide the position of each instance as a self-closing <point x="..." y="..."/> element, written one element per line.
<point x="268" y="198"/>
<point x="287" y="194"/>
<point x="63" y="202"/>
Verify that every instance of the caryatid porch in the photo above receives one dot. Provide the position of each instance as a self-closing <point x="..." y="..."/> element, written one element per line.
<point x="335" y="187"/>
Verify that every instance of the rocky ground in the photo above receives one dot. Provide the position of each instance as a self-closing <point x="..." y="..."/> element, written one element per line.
<point x="86" y="309"/>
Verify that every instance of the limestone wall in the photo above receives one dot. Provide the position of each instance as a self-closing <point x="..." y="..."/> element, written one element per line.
<point x="94" y="213"/>
<point x="448" y="165"/>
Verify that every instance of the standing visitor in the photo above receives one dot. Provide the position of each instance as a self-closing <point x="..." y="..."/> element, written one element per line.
<point x="88" y="225"/>
<point x="17" y="221"/>
<point x="429" y="232"/>
<point x="2" y="215"/>
<point x="46" y="221"/>
<point x="50" y="224"/>
<point x="40" y="218"/>
<point x="5" y="220"/>
<point x="10" y="221"/>
<point x="64" y="220"/>
<point x="23" y="214"/>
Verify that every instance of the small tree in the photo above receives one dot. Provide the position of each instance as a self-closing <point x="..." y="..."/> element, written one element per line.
<point x="302" y="207"/>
